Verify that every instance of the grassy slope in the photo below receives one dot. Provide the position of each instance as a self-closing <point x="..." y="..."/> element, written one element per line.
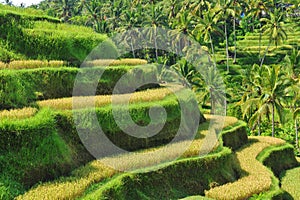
<point x="30" y="34"/>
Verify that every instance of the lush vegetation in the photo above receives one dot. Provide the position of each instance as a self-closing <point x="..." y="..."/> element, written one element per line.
<point x="251" y="46"/>
<point x="255" y="44"/>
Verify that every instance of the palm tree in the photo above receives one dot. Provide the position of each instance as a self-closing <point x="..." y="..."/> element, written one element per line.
<point x="182" y="24"/>
<point x="273" y="92"/>
<point x="199" y="6"/>
<point x="130" y="19"/>
<point x="155" y="19"/>
<point x="296" y="115"/>
<point x="223" y="12"/>
<point x="209" y="85"/>
<point x="205" y="28"/>
<point x="238" y="6"/>
<point x="257" y="10"/>
<point x="291" y="62"/>
<point x="250" y="102"/>
<point x="97" y="17"/>
<point x="274" y="28"/>
<point x="294" y="99"/>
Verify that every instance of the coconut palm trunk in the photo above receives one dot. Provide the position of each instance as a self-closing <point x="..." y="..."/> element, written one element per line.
<point x="227" y="53"/>
<point x="263" y="58"/>
<point x="131" y="45"/>
<point x="212" y="49"/>
<point x="296" y="131"/>
<point x="273" y="119"/>
<point x="234" y="34"/>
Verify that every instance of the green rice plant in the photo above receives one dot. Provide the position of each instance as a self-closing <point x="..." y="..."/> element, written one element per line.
<point x="18" y="113"/>
<point x="95" y="172"/>
<point x="290" y="182"/>
<point x="111" y="62"/>
<point x="256" y="177"/>
<point x="62" y="27"/>
<point x="15" y="92"/>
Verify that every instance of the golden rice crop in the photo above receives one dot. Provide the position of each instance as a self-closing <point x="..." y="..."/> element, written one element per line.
<point x="256" y="178"/>
<point x="95" y="171"/>
<point x="111" y="62"/>
<point x="18" y="113"/>
<point x="31" y="64"/>
<point x="3" y="65"/>
<point x="103" y="100"/>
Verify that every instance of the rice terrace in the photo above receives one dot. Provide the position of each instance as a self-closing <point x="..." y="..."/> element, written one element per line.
<point x="160" y="99"/>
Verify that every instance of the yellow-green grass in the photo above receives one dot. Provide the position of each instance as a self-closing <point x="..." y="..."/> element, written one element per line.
<point x="290" y="182"/>
<point x="103" y="100"/>
<point x="23" y="11"/>
<point x="74" y="186"/>
<point x="3" y="65"/>
<point x="256" y="177"/>
<point x="44" y="25"/>
<point x="18" y="113"/>
<point x="31" y="64"/>
<point x="112" y="62"/>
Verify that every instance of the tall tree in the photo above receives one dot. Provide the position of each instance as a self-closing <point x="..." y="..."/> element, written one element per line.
<point x="256" y="11"/>
<point x="274" y="28"/>
<point x="205" y="28"/>
<point x="273" y="93"/>
<point x="223" y="12"/>
<point x="155" y="19"/>
<point x="130" y="19"/>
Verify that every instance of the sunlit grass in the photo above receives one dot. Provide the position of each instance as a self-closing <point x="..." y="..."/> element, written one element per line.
<point x="74" y="186"/>
<point x="256" y="177"/>
<point x="103" y="100"/>
<point x="111" y="62"/>
<point x="18" y="113"/>
<point x="31" y="64"/>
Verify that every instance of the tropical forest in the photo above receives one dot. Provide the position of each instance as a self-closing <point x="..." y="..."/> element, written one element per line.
<point x="150" y="99"/>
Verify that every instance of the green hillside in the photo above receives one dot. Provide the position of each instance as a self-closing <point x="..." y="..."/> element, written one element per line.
<point x="29" y="34"/>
